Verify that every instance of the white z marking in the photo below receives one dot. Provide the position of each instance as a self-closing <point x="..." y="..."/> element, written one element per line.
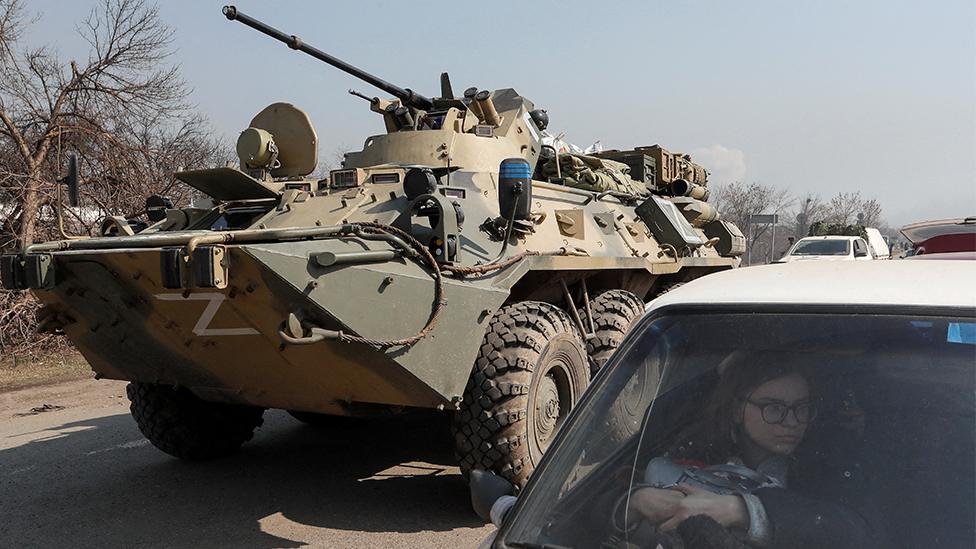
<point x="201" y="328"/>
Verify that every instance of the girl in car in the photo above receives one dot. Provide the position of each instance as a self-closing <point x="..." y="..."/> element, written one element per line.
<point x="759" y="415"/>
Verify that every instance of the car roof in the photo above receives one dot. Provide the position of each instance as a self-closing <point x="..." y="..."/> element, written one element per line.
<point x="912" y="283"/>
<point x="830" y="237"/>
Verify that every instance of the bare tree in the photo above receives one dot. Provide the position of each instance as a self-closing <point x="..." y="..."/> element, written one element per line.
<point x="870" y="213"/>
<point x="810" y="208"/>
<point x="843" y="208"/>
<point x="122" y="109"/>
<point x="852" y="208"/>
<point x="737" y="201"/>
<point x="119" y="108"/>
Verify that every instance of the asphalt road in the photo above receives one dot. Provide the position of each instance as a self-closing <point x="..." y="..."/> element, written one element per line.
<point x="83" y="476"/>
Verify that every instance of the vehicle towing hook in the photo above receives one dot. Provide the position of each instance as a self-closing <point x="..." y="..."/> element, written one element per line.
<point x="293" y="332"/>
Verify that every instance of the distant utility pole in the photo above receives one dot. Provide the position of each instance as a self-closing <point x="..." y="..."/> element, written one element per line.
<point x="803" y="220"/>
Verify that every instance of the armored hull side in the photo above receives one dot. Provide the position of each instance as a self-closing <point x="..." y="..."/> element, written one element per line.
<point x="224" y="344"/>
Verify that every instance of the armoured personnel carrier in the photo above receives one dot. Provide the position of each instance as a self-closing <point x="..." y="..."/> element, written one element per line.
<point x="442" y="267"/>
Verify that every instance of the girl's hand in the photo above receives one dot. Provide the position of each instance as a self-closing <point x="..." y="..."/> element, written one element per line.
<point x="729" y="511"/>
<point x="656" y="504"/>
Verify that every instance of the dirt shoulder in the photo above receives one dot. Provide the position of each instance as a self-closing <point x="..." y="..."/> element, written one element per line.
<point x="19" y="372"/>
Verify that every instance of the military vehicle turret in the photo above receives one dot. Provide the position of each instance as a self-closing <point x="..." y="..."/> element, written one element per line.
<point x="450" y="264"/>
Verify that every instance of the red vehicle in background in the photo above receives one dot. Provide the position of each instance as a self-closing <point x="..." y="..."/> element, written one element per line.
<point x="946" y="236"/>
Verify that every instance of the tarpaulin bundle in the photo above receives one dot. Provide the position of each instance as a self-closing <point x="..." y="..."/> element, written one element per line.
<point x="594" y="174"/>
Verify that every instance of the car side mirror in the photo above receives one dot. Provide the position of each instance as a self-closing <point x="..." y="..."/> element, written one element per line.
<point x="487" y="490"/>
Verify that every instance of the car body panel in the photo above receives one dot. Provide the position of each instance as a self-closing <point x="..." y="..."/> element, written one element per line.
<point x="834" y="283"/>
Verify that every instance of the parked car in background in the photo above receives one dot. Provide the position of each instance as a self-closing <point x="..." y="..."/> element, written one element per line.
<point x="860" y="374"/>
<point x="941" y="236"/>
<point x="829" y="248"/>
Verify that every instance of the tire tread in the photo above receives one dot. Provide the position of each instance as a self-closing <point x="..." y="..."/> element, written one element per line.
<point x="489" y="430"/>
<point x="184" y="426"/>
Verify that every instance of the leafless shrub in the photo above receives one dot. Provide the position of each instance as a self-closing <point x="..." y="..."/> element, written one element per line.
<point x="123" y="110"/>
<point x="737" y="201"/>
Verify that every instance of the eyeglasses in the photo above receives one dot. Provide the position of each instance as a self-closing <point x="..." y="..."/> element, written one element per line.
<point x="775" y="412"/>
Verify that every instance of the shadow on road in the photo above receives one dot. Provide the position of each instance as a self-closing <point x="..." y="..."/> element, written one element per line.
<point x="99" y="483"/>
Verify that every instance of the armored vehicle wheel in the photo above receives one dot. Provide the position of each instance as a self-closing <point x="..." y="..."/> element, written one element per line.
<point x="614" y="311"/>
<point x="668" y="287"/>
<point x="182" y="425"/>
<point x="530" y="372"/>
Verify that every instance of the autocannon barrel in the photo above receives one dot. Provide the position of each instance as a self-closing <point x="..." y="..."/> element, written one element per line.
<point x="406" y="95"/>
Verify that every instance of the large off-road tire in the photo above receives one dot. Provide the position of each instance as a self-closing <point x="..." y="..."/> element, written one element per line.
<point x="614" y="312"/>
<point x="182" y="425"/>
<point x="667" y="288"/>
<point x="530" y="372"/>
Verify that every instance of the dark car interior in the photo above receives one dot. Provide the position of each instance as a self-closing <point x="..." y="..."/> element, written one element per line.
<point x="895" y="431"/>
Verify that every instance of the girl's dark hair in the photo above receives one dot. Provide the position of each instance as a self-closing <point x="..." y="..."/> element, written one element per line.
<point x="711" y="439"/>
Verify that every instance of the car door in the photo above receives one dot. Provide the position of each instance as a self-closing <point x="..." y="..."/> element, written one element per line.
<point x="861" y="252"/>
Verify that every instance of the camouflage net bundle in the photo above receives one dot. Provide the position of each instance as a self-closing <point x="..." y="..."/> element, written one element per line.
<point x="822" y="228"/>
<point x="590" y="173"/>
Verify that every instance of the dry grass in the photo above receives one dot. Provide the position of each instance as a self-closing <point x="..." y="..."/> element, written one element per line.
<point x="17" y="372"/>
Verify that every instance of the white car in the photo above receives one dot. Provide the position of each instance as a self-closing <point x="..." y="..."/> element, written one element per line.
<point x="824" y="405"/>
<point x="829" y="248"/>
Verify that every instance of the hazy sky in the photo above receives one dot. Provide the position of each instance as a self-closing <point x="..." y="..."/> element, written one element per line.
<point x="870" y="96"/>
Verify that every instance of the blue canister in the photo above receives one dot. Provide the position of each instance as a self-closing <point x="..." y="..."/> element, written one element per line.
<point x="515" y="188"/>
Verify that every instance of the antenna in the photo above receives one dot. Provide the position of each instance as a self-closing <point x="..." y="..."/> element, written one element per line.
<point x="446" y="91"/>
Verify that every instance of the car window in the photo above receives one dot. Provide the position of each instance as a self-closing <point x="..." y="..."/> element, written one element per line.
<point x="822" y="247"/>
<point x="886" y="404"/>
